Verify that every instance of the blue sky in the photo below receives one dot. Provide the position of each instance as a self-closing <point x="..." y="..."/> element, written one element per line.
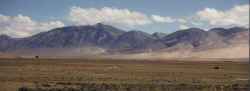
<point x="47" y="14"/>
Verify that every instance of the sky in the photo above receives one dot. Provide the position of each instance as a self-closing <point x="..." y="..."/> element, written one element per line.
<point x="23" y="18"/>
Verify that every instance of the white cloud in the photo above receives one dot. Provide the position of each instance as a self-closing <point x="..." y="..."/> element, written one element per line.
<point x="182" y="27"/>
<point x="90" y="16"/>
<point x="157" y="18"/>
<point x="23" y="26"/>
<point x="181" y="20"/>
<point x="239" y="15"/>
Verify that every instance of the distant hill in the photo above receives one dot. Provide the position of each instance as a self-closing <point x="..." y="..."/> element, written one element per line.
<point x="106" y="40"/>
<point x="159" y="35"/>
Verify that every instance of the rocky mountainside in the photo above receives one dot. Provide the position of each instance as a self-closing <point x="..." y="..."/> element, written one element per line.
<point x="103" y="39"/>
<point x="72" y="36"/>
<point x="159" y="35"/>
<point x="136" y="41"/>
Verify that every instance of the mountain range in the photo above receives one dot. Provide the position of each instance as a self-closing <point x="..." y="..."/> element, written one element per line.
<point x="107" y="41"/>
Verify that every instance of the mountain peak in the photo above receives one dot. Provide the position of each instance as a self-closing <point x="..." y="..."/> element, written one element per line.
<point x="192" y="36"/>
<point x="159" y="35"/>
<point x="99" y="25"/>
<point x="228" y="32"/>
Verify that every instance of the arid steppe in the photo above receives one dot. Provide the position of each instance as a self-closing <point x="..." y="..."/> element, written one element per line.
<point x="122" y="75"/>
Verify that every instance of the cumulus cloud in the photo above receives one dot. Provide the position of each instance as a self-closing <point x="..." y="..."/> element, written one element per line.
<point x="157" y="18"/>
<point x="90" y="16"/>
<point x="181" y="20"/>
<point x="182" y="27"/>
<point x="23" y="26"/>
<point x="239" y="15"/>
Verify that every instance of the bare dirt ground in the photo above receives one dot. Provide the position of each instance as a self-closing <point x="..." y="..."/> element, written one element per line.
<point x="74" y="73"/>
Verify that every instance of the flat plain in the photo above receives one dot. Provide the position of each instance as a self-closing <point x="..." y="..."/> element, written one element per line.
<point x="22" y="74"/>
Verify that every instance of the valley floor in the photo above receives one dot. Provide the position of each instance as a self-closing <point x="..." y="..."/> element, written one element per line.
<point x="122" y="75"/>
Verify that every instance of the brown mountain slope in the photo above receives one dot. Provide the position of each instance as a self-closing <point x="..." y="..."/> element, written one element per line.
<point x="100" y="39"/>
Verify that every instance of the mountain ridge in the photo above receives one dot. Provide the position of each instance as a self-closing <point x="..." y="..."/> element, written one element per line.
<point x="108" y="40"/>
